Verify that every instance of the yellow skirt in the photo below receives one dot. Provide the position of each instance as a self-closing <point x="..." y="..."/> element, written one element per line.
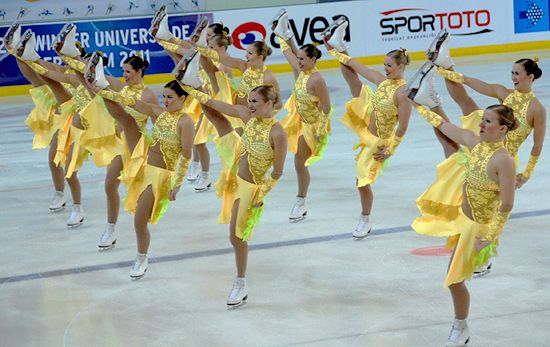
<point x="100" y="138"/>
<point x="193" y="108"/>
<point x="358" y="112"/>
<point x="160" y="181"/>
<point x="315" y="135"/>
<point x="462" y="232"/>
<point x="204" y="131"/>
<point x="132" y="170"/>
<point x="41" y="118"/>
<point x="444" y="196"/>
<point x="367" y="169"/>
<point x="64" y="140"/>
<point x="79" y="153"/>
<point x="227" y="95"/>
<point x="247" y="215"/>
<point x="228" y="148"/>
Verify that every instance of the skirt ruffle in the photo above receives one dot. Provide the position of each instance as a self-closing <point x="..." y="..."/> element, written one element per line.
<point x="133" y="170"/>
<point x="248" y="216"/>
<point x="41" y="118"/>
<point x="367" y="169"/>
<point x="358" y="112"/>
<point x="228" y="148"/>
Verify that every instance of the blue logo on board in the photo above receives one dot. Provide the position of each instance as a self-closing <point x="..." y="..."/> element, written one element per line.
<point x="531" y="16"/>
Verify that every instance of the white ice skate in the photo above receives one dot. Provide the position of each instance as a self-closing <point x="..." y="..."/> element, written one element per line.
<point x="363" y="228"/>
<point x="139" y="268"/>
<point x="204" y="183"/>
<point x="108" y="239"/>
<point x="12" y="36"/>
<point x="58" y="202"/>
<point x="281" y="26"/>
<point x="66" y="41"/>
<point x="483" y="270"/>
<point x="193" y="171"/>
<point x="76" y="218"/>
<point x="239" y="294"/>
<point x="95" y="73"/>
<point x="25" y="47"/>
<point x="299" y="210"/>
<point x="439" y="52"/>
<point x="459" y="335"/>
<point x="159" y="25"/>
<point x="421" y="88"/>
<point x="201" y="32"/>
<point x="336" y="32"/>
<point x="187" y="70"/>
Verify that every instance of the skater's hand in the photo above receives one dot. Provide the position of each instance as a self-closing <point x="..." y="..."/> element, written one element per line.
<point x="258" y="204"/>
<point x="173" y="193"/>
<point x="521" y="180"/>
<point x="382" y="154"/>
<point x="481" y="243"/>
<point x="325" y="40"/>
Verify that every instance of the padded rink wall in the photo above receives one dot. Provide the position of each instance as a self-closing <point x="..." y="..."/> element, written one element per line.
<point x="376" y="27"/>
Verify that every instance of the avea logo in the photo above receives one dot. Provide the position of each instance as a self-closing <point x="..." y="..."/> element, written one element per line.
<point x="247" y="33"/>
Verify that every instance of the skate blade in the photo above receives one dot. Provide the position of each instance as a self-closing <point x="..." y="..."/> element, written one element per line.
<point x="106" y="248"/>
<point x="203" y="189"/>
<point x="296" y="220"/>
<point x="76" y="225"/>
<point x="278" y="16"/>
<point x="481" y="274"/>
<point x="58" y="209"/>
<point x="436" y="44"/>
<point x="333" y="25"/>
<point x="416" y="81"/>
<point x="235" y="306"/>
<point x="359" y="238"/>
<point x="137" y="278"/>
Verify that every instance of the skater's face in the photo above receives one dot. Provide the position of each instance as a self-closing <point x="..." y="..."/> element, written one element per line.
<point x="252" y="55"/>
<point x="130" y="75"/>
<point x="259" y="107"/>
<point x="392" y="69"/>
<point x="520" y="78"/>
<point x="490" y="129"/>
<point x="305" y="62"/>
<point x="171" y="100"/>
<point x="209" y="34"/>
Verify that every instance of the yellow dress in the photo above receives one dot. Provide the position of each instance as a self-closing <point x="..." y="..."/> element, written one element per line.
<point x="251" y="78"/>
<point x="164" y="134"/>
<point x="379" y="105"/>
<point x="482" y="194"/>
<point x="444" y="196"/>
<point x="204" y="130"/>
<point x="306" y="119"/>
<point x="255" y="144"/>
<point x="41" y="118"/>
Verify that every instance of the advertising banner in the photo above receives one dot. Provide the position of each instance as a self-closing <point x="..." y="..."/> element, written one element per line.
<point x="117" y="39"/>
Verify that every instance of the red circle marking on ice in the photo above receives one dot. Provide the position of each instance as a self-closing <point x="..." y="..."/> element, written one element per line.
<point x="434" y="251"/>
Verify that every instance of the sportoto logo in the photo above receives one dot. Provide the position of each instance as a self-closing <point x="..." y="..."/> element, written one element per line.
<point x="407" y="21"/>
<point x="247" y="33"/>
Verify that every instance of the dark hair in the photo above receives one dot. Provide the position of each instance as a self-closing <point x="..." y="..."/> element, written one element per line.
<point x="219" y="29"/>
<point x="262" y="48"/>
<point x="400" y="56"/>
<point x="104" y="58"/>
<point x="176" y="87"/>
<point x="311" y="51"/>
<point x="505" y="116"/>
<point x="137" y="63"/>
<point x="81" y="49"/>
<point x="268" y="93"/>
<point x="531" y="67"/>
<point x="222" y="40"/>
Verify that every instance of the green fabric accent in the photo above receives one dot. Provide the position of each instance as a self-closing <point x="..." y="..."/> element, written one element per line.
<point x="461" y="157"/>
<point x="255" y="215"/>
<point x="163" y="208"/>
<point x="485" y="254"/>
<point x="323" y="142"/>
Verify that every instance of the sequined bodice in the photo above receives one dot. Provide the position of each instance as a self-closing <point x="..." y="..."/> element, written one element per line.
<point x="256" y="144"/>
<point x="482" y="192"/>
<point x="135" y="91"/>
<point x="385" y="111"/>
<point x="81" y="96"/>
<point x="519" y="102"/>
<point x="165" y="133"/>
<point x="306" y="104"/>
<point x="252" y="78"/>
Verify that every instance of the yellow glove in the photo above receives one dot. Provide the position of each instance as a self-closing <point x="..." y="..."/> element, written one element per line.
<point x="530" y="166"/>
<point x="496" y="226"/>
<point x="201" y="97"/>
<point x="39" y="69"/>
<point x="177" y="40"/>
<point x="341" y="57"/>
<point x="117" y="97"/>
<point x="451" y="75"/>
<point x="209" y="53"/>
<point x="74" y="64"/>
<point x="433" y="118"/>
<point x="395" y="141"/>
<point x="168" y="46"/>
<point x="266" y="188"/>
<point x="181" y="171"/>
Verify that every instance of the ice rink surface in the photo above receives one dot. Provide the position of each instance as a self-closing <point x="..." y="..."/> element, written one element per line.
<point x="310" y="283"/>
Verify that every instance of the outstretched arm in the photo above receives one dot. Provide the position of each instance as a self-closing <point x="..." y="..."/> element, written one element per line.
<point x="236" y="63"/>
<point x="371" y="75"/>
<point x="220" y="106"/>
<point x="289" y="51"/>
